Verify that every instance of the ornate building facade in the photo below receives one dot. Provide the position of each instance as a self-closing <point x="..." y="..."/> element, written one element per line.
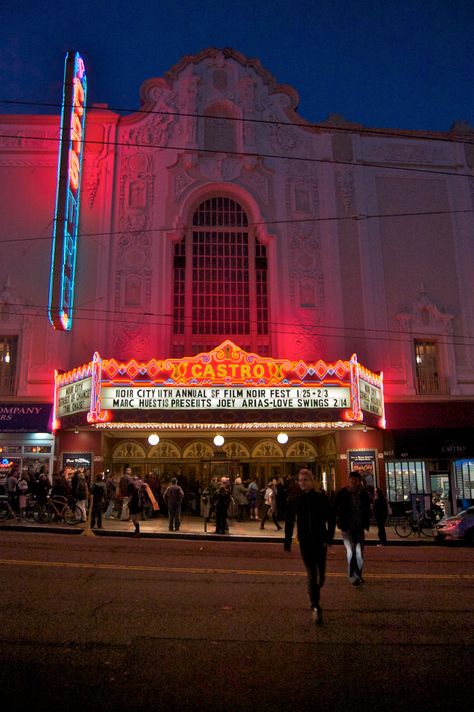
<point x="216" y="212"/>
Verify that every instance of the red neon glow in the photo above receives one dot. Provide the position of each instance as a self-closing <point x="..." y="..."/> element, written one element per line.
<point x="227" y="364"/>
<point x="76" y="134"/>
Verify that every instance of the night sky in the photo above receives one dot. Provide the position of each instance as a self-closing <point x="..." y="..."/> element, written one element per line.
<point x="381" y="63"/>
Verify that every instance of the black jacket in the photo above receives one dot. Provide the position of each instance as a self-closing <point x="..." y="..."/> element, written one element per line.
<point x="313" y="519"/>
<point x="342" y="506"/>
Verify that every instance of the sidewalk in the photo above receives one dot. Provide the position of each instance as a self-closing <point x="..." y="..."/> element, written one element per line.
<point x="193" y="527"/>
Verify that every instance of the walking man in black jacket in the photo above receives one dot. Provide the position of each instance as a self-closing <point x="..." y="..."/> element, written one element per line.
<point x="311" y="511"/>
<point x="352" y="505"/>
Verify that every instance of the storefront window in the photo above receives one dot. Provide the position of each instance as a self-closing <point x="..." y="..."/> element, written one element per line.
<point x="464" y="474"/>
<point x="405" y="477"/>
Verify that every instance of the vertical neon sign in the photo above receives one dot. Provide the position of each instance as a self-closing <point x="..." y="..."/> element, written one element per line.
<point x="66" y="219"/>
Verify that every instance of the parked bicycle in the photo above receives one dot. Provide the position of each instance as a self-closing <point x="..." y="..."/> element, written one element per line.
<point x="30" y="512"/>
<point x="420" y="525"/>
<point x="57" y="508"/>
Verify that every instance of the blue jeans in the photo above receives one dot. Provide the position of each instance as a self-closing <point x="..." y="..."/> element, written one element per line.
<point x="354" y="544"/>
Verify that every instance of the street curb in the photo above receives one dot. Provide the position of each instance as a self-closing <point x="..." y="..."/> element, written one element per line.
<point x="204" y="536"/>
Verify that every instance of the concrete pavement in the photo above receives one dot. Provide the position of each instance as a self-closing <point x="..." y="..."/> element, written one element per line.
<point x="193" y="527"/>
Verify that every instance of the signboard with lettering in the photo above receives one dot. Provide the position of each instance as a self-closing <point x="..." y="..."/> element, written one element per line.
<point x="66" y="221"/>
<point x="364" y="462"/>
<point x="371" y="398"/>
<point x="224" y="379"/>
<point x="162" y="398"/>
<point x="77" y="461"/>
<point x="25" y="417"/>
<point x="74" y="397"/>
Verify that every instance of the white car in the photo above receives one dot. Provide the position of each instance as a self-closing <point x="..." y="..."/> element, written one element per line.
<point x="460" y="527"/>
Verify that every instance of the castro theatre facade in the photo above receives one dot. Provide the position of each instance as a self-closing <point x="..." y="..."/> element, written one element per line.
<point x="216" y="266"/>
<point x="224" y="413"/>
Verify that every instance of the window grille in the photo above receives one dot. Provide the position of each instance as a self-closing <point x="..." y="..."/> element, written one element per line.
<point x="428" y="380"/>
<point x="220" y="281"/>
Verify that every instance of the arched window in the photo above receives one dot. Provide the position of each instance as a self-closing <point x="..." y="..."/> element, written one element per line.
<point x="220" y="282"/>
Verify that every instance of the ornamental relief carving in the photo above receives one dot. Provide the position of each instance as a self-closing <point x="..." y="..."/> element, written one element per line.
<point x="236" y="450"/>
<point x="306" y="341"/>
<point x="165" y="449"/>
<point x="154" y="130"/>
<point x="301" y="448"/>
<point x="306" y="279"/>
<point x="198" y="451"/>
<point x="45" y="140"/>
<point x="267" y="448"/>
<point x="345" y="187"/>
<point x="132" y="340"/>
<point x="128" y="450"/>
<point x="425" y="316"/>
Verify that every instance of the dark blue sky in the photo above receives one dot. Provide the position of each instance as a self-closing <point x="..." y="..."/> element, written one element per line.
<point x="387" y="64"/>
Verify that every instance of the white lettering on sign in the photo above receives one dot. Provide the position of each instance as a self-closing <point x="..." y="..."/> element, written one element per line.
<point x="370" y="398"/>
<point x="74" y="398"/>
<point x="167" y="398"/>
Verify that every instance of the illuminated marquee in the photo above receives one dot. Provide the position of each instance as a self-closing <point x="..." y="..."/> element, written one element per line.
<point x="226" y="378"/>
<point x="66" y="221"/>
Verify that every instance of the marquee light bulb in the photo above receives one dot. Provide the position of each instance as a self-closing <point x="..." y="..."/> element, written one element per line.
<point x="153" y="439"/>
<point x="282" y="438"/>
<point x="218" y="440"/>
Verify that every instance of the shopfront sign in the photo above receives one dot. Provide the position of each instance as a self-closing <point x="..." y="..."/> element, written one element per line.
<point x="25" y="417"/>
<point x="224" y="379"/>
<point x="66" y="221"/>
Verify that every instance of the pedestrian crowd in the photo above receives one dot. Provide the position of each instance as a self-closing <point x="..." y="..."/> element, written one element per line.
<point x="299" y="502"/>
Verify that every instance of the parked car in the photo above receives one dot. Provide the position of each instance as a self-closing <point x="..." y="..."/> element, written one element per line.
<point x="460" y="527"/>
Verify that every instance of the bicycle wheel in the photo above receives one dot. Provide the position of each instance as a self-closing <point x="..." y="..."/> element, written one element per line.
<point x="72" y="516"/>
<point x="403" y="528"/>
<point x="4" y="511"/>
<point x="29" y="513"/>
<point x="43" y="515"/>
<point x="426" y="527"/>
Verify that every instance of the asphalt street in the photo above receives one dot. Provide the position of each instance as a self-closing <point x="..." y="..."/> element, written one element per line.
<point x="107" y="623"/>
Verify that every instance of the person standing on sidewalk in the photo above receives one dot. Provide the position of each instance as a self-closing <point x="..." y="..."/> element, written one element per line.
<point x="111" y="488"/>
<point x="82" y="495"/>
<point x="124" y="484"/>
<point x="135" y="503"/>
<point x="352" y="505"/>
<point x="311" y="511"/>
<point x="173" y="497"/>
<point x="381" y="515"/>
<point x="99" y="497"/>
<point x="222" y="500"/>
<point x="269" y="505"/>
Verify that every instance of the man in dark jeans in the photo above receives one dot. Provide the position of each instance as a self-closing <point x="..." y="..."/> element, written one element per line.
<point x="352" y="505"/>
<point x="312" y="513"/>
